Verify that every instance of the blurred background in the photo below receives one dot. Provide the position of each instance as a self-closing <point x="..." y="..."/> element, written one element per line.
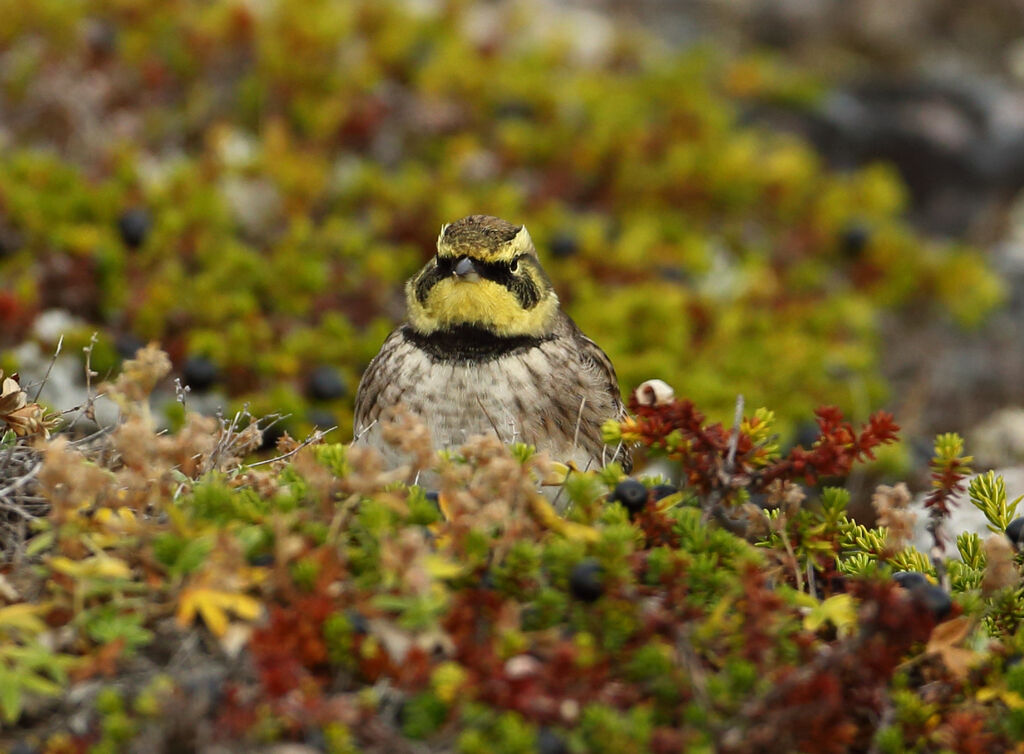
<point x="804" y="201"/>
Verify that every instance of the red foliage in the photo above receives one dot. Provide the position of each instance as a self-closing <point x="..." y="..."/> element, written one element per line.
<point x="948" y="477"/>
<point x="705" y="450"/>
<point x="836" y="450"/>
<point x="665" y="740"/>
<point x="762" y="608"/>
<point x="235" y="717"/>
<point x="658" y="528"/>
<point x="703" y="457"/>
<point x="833" y="703"/>
<point x="539" y="686"/>
<point x="290" y="651"/>
<point x="964" y="732"/>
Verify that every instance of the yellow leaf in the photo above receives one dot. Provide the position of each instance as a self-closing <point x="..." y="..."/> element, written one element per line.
<point x="803" y="599"/>
<point x="546" y="515"/>
<point x="441" y="568"/>
<point x="445" y="506"/>
<point x="97" y="566"/>
<point x="213" y="606"/>
<point x="103" y="515"/>
<point x="838" y="610"/>
<point x="23" y="617"/>
<point x="557" y="474"/>
<point x="1011" y="699"/>
<point x="118" y="520"/>
<point x="110" y="568"/>
<point x="66" y="566"/>
<point x="670" y="501"/>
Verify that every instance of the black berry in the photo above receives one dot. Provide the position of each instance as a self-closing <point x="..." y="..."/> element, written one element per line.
<point x="631" y="494"/>
<point x="127" y="345"/>
<point x="514" y="109"/>
<point x="360" y="626"/>
<point x="199" y="373"/>
<point x="1015" y="532"/>
<point x="853" y="239"/>
<point x="433" y="498"/>
<point x="322" y="419"/>
<point x="315" y="740"/>
<point x="134" y="225"/>
<point x="585" y="580"/>
<point x="564" y="245"/>
<point x="807" y="433"/>
<point x="263" y="559"/>
<point x="550" y="742"/>
<point x="934" y="598"/>
<point x="910" y="579"/>
<point x="325" y="384"/>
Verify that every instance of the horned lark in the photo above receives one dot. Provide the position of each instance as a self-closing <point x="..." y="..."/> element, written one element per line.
<point x="487" y="349"/>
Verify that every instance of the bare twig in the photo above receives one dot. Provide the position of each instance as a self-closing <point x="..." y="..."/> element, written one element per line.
<point x="181" y="392"/>
<point x="796" y="563"/>
<point x="513" y="428"/>
<point x="49" y="368"/>
<point x="358" y="436"/>
<point x="21" y="481"/>
<point x="88" y="408"/>
<point x="561" y="489"/>
<point x="734" y="437"/>
<point x="811" y="583"/>
<point x="315" y="437"/>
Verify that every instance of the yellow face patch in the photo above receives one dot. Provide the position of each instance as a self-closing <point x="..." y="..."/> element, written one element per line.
<point x="483" y="303"/>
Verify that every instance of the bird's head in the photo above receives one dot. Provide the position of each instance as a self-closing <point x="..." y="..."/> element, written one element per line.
<point x="485" y="274"/>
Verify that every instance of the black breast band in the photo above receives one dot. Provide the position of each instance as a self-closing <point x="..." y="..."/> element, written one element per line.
<point x="469" y="343"/>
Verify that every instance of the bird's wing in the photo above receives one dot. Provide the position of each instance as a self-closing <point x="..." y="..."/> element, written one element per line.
<point x="592" y="355"/>
<point x="374" y="379"/>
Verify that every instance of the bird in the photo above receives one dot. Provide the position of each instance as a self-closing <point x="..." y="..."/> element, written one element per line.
<point x="487" y="348"/>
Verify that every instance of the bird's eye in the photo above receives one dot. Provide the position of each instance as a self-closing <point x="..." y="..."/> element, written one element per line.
<point x="514" y="267"/>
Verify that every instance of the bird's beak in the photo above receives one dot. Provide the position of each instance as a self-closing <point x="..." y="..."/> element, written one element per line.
<point x="466" y="270"/>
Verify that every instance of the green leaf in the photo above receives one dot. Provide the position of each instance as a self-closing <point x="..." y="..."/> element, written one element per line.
<point x="108" y="624"/>
<point x="912" y="559"/>
<point x="833" y="505"/>
<point x="10" y="696"/>
<point x="40" y="543"/>
<point x="969" y="545"/>
<point x="858" y="564"/>
<point x="988" y="494"/>
<point x="192" y="555"/>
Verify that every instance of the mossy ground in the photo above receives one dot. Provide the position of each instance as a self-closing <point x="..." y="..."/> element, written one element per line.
<point x="162" y="593"/>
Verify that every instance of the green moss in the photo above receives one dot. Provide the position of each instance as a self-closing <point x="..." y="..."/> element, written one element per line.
<point x="604" y="730"/>
<point x="422" y="715"/>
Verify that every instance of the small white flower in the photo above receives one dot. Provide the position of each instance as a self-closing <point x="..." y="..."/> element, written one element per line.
<point x="654" y="393"/>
